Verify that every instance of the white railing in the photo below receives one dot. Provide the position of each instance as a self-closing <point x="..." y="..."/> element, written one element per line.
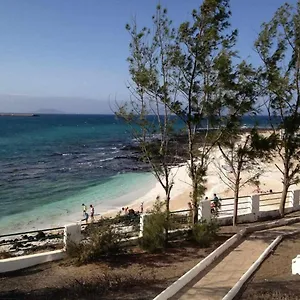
<point x="250" y="209"/>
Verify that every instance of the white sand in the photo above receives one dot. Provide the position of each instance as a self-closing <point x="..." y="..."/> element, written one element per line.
<point x="271" y="179"/>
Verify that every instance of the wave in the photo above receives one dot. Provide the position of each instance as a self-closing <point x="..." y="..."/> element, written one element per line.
<point x="106" y="159"/>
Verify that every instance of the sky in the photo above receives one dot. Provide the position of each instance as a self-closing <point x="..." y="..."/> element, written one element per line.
<point x="71" y="55"/>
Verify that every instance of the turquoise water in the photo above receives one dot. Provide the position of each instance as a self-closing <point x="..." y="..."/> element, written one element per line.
<point x="118" y="191"/>
<point x="52" y="164"/>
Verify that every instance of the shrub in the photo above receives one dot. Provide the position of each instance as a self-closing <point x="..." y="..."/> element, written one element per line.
<point x="154" y="231"/>
<point x="5" y="254"/>
<point x="204" y="232"/>
<point x="102" y="241"/>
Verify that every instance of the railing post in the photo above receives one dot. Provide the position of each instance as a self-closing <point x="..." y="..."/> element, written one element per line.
<point x="255" y="206"/>
<point x="204" y="211"/>
<point x="296" y="199"/>
<point x="142" y="219"/>
<point x="72" y="234"/>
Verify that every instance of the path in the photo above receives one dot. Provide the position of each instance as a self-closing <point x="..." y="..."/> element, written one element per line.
<point x="218" y="281"/>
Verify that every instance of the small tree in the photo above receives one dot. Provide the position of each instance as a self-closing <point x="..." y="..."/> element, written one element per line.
<point x="243" y="154"/>
<point x="156" y="223"/>
<point x="147" y="112"/>
<point x="278" y="46"/>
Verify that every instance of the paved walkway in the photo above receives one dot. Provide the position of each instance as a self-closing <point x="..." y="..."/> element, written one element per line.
<point x="217" y="282"/>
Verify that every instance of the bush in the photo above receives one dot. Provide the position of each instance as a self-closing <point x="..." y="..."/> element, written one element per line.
<point x="204" y="233"/>
<point x="154" y="232"/>
<point x="102" y="241"/>
<point x="5" y="254"/>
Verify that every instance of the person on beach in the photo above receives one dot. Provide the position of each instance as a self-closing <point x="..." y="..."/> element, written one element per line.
<point x="92" y="212"/>
<point x="142" y="207"/>
<point x="86" y="217"/>
<point x="83" y="209"/>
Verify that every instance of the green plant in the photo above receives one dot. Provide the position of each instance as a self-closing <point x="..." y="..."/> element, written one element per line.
<point x="154" y="231"/>
<point x="102" y="241"/>
<point x="204" y="233"/>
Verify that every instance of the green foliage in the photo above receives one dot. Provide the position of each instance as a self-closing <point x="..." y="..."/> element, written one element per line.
<point x="204" y="233"/>
<point x="155" y="225"/>
<point x="102" y="241"/>
<point x="279" y="49"/>
<point x="151" y="91"/>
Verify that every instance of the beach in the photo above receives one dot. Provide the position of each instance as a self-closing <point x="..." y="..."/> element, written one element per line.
<point x="270" y="179"/>
<point x="180" y="194"/>
<point x="52" y="164"/>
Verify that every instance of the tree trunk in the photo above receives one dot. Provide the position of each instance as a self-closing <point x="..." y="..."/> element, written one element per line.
<point x="195" y="204"/>
<point x="283" y="198"/>
<point x="235" y="207"/>
<point x="167" y="216"/>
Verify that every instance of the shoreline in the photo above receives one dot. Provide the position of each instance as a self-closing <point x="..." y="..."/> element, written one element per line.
<point x="149" y="190"/>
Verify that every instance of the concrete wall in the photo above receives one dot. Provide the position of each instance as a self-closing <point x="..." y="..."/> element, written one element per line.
<point x="72" y="234"/>
<point x="22" y="262"/>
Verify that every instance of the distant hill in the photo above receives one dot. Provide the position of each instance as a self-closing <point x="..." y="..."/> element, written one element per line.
<point x="49" y="111"/>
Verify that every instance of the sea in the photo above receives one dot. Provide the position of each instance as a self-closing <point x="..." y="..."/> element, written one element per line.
<point x="51" y="164"/>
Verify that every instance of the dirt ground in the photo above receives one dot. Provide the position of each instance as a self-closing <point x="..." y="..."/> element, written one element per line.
<point x="274" y="279"/>
<point x="128" y="276"/>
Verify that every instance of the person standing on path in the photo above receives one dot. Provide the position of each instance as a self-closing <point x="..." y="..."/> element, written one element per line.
<point x="92" y="212"/>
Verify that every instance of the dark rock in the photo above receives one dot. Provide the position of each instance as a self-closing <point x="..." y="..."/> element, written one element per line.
<point x="17" y="245"/>
<point x="30" y="238"/>
<point x="40" y="235"/>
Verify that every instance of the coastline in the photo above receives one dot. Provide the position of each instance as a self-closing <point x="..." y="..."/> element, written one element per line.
<point x="147" y="192"/>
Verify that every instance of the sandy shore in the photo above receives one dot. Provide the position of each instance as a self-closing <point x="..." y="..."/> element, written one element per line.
<point x="271" y="179"/>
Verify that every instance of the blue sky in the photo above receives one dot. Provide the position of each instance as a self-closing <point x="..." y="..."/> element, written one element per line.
<point x="78" y="48"/>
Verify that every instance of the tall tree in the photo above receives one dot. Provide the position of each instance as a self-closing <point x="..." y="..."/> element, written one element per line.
<point x="202" y="65"/>
<point x="241" y="150"/>
<point x="150" y="89"/>
<point x="278" y="46"/>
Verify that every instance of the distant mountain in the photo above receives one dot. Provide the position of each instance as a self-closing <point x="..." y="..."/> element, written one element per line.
<point x="49" y="111"/>
<point x="58" y="105"/>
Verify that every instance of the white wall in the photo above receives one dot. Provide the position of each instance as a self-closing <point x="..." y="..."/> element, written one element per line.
<point x="22" y="262"/>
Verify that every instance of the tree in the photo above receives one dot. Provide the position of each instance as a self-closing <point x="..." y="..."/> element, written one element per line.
<point x="243" y="154"/>
<point x="151" y="88"/>
<point x="241" y="150"/>
<point x="278" y="46"/>
<point x="202" y="66"/>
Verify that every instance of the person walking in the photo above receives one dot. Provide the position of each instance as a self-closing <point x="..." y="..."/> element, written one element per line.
<point x="92" y="212"/>
<point x="83" y="209"/>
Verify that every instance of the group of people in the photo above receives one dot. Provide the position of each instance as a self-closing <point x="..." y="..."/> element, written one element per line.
<point x="85" y="213"/>
<point x="130" y="211"/>
<point x="125" y="211"/>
